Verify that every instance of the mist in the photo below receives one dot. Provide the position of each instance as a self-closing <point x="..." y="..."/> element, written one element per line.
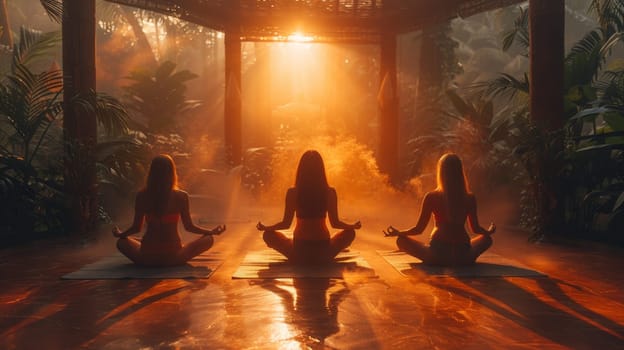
<point x="296" y="96"/>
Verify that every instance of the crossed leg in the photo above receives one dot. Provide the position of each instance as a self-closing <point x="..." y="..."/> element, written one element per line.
<point x="131" y="248"/>
<point x="280" y="242"/>
<point x="478" y="245"/>
<point x="340" y="241"/>
<point x="285" y="245"/>
<point x="414" y="248"/>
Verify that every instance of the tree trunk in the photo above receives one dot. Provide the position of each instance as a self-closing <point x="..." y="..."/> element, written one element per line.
<point x="546" y="54"/>
<point x="145" y="48"/>
<point x="79" y="124"/>
<point x="7" y="37"/>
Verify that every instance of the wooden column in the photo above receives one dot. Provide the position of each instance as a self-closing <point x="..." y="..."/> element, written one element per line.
<point x="546" y="25"/>
<point x="546" y="55"/>
<point x="265" y="108"/>
<point x="388" y="100"/>
<point x="79" y="124"/>
<point x="233" y="106"/>
<point x="6" y="37"/>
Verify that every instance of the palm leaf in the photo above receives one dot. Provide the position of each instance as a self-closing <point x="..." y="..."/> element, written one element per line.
<point x="110" y="113"/>
<point x="610" y="87"/>
<point x="590" y="43"/>
<point x="610" y="14"/>
<point x="486" y="114"/>
<point x="499" y="130"/>
<point x="464" y="108"/>
<point x="34" y="45"/>
<point x="519" y="32"/>
<point x="505" y="86"/>
<point x="610" y="43"/>
<point x="587" y="57"/>
<point x="54" y="9"/>
<point x="31" y="102"/>
<point x="165" y="71"/>
<point x="108" y="13"/>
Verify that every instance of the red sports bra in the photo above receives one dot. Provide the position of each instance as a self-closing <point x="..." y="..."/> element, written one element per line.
<point x="163" y="219"/>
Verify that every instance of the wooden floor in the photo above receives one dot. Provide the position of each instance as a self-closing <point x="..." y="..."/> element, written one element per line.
<point x="579" y="305"/>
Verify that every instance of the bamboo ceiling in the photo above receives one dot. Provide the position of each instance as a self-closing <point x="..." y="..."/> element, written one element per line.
<point x="323" y="20"/>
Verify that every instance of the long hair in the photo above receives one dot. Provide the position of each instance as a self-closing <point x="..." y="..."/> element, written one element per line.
<point x="452" y="182"/>
<point x="311" y="184"/>
<point x="162" y="179"/>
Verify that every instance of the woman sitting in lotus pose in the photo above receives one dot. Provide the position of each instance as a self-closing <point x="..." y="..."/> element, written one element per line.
<point x="311" y="200"/>
<point x="451" y="204"/>
<point x="161" y="204"/>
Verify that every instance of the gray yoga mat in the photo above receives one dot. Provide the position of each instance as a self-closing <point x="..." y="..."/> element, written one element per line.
<point x="487" y="265"/>
<point x="271" y="264"/>
<point x="118" y="266"/>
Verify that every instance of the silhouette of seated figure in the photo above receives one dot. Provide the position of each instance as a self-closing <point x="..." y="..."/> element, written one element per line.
<point x="451" y="203"/>
<point x="161" y="205"/>
<point x="312" y="200"/>
<point x="313" y="307"/>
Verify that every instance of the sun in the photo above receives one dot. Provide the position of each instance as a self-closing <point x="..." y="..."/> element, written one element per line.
<point x="299" y="37"/>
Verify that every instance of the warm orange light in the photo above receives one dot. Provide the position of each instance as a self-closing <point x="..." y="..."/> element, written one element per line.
<point x="300" y="38"/>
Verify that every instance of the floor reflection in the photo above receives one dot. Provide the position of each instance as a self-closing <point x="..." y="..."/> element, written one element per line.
<point x="310" y="306"/>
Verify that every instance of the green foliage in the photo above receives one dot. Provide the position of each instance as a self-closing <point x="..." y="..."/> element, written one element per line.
<point x="610" y="88"/>
<point x="54" y="9"/>
<point x="33" y="46"/>
<point x="32" y="165"/>
<point x="159" y="97"/>
<point x="610" y="14"/>
<point x="448" y="59"/>
<point x="122" y="163"/>
<point x="582" y="65"/>
<point x="474" y="132"/>
<point x="519" y="32"/>
<point x="30" y="104"/>
<point x="545" y="173"/>
<point x="505" y="86"/>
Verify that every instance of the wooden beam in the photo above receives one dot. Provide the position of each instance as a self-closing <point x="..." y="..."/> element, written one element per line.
<point x="329" y="19"/>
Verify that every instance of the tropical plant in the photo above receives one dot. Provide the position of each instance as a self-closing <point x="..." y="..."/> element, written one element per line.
<point x="548" y="167"/>
<point x="159" y="97"/>
<point x="474" y="131"/>
<point x="544" y="170"/>
<point x="54" y="9"/>
<point x="610" y="89"/>
<point x="29" y="104"/>
<point x="31" y="168"/>
<point x="582" y="65"/>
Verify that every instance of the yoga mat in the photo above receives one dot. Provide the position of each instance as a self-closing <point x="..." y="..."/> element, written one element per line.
<point x="271" y="264"/>
<point x="119" y="267"/>
<point x="487" y="265"/>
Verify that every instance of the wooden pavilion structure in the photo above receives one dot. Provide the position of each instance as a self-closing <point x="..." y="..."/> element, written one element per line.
<point x="336" y="21"/>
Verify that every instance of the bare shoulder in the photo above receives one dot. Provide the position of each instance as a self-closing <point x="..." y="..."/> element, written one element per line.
<point x="180" y="195"/>
<point x="433" y="196"/>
